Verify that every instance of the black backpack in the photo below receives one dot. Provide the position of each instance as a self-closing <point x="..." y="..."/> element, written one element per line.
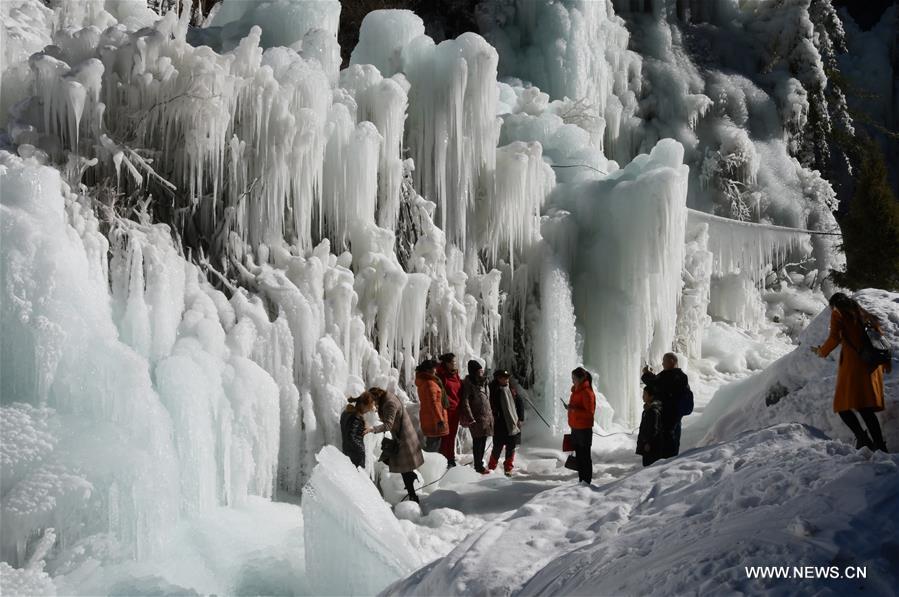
<point x="875" y="350"/>
<point x="685" y="402"/>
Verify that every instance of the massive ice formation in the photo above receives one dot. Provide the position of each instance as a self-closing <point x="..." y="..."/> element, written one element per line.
<point x="212" y="235"/>
<point x="628" y="279"/>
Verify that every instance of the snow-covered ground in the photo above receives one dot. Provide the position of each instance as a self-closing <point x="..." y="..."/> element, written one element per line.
<point x="778" y="483"/>
<point x="783" y="496"/>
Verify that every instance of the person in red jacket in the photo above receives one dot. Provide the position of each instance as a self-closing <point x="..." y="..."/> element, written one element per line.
<point x="581" y="410"/>
<point x="432" y="413"/>
<point x="448" y="372"/>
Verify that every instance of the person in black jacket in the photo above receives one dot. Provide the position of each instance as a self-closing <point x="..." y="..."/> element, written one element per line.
<point x="508" y="416"/>
<point x="353" y="428"/>
<point x="667" y="386"/>
<point x="649" y="439"/>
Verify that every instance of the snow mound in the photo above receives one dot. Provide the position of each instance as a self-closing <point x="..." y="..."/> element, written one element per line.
<point x="346" y="522"/>
<point x="784" y="495"/>
<point x="255" y="548"/>
<point x="799" y="387"/>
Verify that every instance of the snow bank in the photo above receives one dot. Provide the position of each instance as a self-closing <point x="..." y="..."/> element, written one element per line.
<point x="353" y="542"/>
<point x="780" y="496"/>
<point x="255" y="548"/>
<point x="23" y="581"/>
<point x="799" y="387"/>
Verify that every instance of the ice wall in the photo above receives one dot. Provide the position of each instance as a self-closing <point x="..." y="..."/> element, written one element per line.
<point x="627" y="269"/>
<point x="289" y="184"/>
<point x="64" y="372"/>
<point x="283" y="22"/>
<point x="133" y="389"/>
<point x="354" y="544"/>
<point x="575" y="49"/>
<point x="26" y="29"/>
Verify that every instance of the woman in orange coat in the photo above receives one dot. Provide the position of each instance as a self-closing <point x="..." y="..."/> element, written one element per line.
<point x="859" y="387"/>
<point x="581" y="410"/>
<point x="431" y="399"/>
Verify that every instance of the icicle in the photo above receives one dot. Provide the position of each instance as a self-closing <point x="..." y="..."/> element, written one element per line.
<point x="523" y="180"/>
<point x="452" y="129"/>
<point x="748" y="247"/>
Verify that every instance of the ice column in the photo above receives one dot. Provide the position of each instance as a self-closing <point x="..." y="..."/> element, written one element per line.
<point x="627" y="273"/>
<point x="692" y="313"/>
<point x="452" y="129"/>
<point x="555" y="349"/>
<point x="511" y="219"/>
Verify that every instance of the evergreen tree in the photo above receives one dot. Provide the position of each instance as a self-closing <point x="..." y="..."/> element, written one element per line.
<point x="871" y="227"/>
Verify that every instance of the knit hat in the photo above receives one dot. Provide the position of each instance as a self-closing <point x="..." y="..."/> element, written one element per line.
<point x="501" y="373"/>
<point x="473" y="367"/>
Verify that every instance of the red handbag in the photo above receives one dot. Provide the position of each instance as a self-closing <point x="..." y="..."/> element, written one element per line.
<point x="567" y="443"/>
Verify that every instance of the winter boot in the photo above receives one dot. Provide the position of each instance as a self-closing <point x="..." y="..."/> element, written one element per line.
<point x="874" y="431"/>
<point x="450" y="464"/>
<point x="508" y="463"/>
<point x="492" y="464"/>
<point x="409" y="482"/>
<point x="863" y="440"/>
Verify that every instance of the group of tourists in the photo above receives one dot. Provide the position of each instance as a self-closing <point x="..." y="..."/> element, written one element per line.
<point x="488" y="409"/>
<point x="495" y="410"/>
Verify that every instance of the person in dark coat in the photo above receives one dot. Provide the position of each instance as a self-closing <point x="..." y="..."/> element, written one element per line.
<point x="650" y="436"/>
<point x="353" y="427"/>
<point x="448" y="372"/>
<point x="395" y="419"/>
<point x="668" y="385"/>
<point x="508" y="416"/>
<point x="475" y="412"/>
